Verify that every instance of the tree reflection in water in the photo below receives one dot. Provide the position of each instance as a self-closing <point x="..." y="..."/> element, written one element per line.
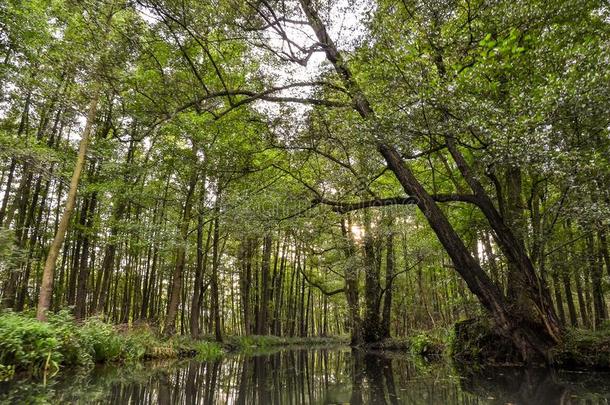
<point x="315" y="376"/>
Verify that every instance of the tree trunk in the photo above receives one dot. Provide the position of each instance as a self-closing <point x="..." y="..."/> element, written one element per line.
<point x="569" y="299"/>
<point x="83" y="274"/>
<point x="215" y="264"/>
<point x="178" y="274"/>
<point x="389" y="280"/>
<point x="531" y="341"/>
<point x="351" y="286"/>
<point x="200" y="270"/>
<point x="263" y="327"/>
<point x="595" y="268"/>
<point x="46" y="287"/>
<point x="371" y="323"/>
<point x="533" y="301"/>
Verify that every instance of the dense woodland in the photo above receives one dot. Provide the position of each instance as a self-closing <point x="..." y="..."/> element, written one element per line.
<point x="308" y="167"/>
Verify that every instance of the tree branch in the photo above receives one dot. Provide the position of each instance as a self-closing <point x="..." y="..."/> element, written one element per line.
<point x="342" y="207"/>
<point x="319" y="287"/>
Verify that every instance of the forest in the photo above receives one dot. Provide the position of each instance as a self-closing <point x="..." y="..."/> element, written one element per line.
<point x="382" y="173"/>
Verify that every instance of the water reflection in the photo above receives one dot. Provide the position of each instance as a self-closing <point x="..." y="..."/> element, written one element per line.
<point x="313" y="376"/>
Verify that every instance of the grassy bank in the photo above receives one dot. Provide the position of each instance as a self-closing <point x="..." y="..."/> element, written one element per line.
<point x="35" y="348"/>
<point x="256" y="343"/>
<point x="31" y="347"/>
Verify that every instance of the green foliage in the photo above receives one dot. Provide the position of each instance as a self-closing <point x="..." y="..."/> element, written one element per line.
<point x="426" y="344"/>
<point x="6" y="372"/>
<point x="34" y="347"/>
<point x="102" y="341"/>
<point x="29" y="345"/>
<point x="207" y="350"/>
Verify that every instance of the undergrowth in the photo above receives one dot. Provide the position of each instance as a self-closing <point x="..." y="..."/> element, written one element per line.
<point x="41" y="348"/>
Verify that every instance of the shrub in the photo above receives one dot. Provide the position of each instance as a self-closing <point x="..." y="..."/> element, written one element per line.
<point x="101" y="340"/>
<point x="73" y="348"/>
<point x="477" y="341"/>
<point x="32" y="346"/>
<point x="27" y="344"/>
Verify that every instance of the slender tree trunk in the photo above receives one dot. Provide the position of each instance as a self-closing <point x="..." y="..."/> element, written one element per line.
<point x="215" y="264"/>
<point x="351" y="286"/>
<point x="595" y="268"/>
<point x="200" y="271"/>
<point x="389" y="279"/>
<point x="581" y="302"/>
<point x="46" y="287"/>
<point x="569" y="299"/>
<point x="262" y="326"/>
<point x="178" y="274"/>
<point x="603" y="246"/>
<point x="558" y="299"/>
<point x="83" y="274"/>
<point x="245" y="281"/>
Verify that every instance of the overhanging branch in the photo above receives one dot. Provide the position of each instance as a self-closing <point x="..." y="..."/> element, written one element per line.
<point x="343" y="207"/>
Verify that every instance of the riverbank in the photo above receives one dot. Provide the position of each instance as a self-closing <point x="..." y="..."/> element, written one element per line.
<point x="308" y="374"/>
<point x="474" y="343"/>
<point x="29" y="347"/>
<point x="32" y="348"/>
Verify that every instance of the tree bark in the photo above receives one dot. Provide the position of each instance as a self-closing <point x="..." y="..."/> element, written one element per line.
<point x="371" y="323"/>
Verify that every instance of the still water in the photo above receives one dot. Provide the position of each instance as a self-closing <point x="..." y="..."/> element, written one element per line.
<point x="335" y="375"/>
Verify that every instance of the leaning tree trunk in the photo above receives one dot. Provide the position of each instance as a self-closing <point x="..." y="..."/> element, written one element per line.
<point x="46" y="287"/>
<point x="533" y="289"/>
<point x="532" y="342"/>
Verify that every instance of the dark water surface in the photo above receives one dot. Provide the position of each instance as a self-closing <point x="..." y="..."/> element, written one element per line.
<point x="311" y="376"/>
